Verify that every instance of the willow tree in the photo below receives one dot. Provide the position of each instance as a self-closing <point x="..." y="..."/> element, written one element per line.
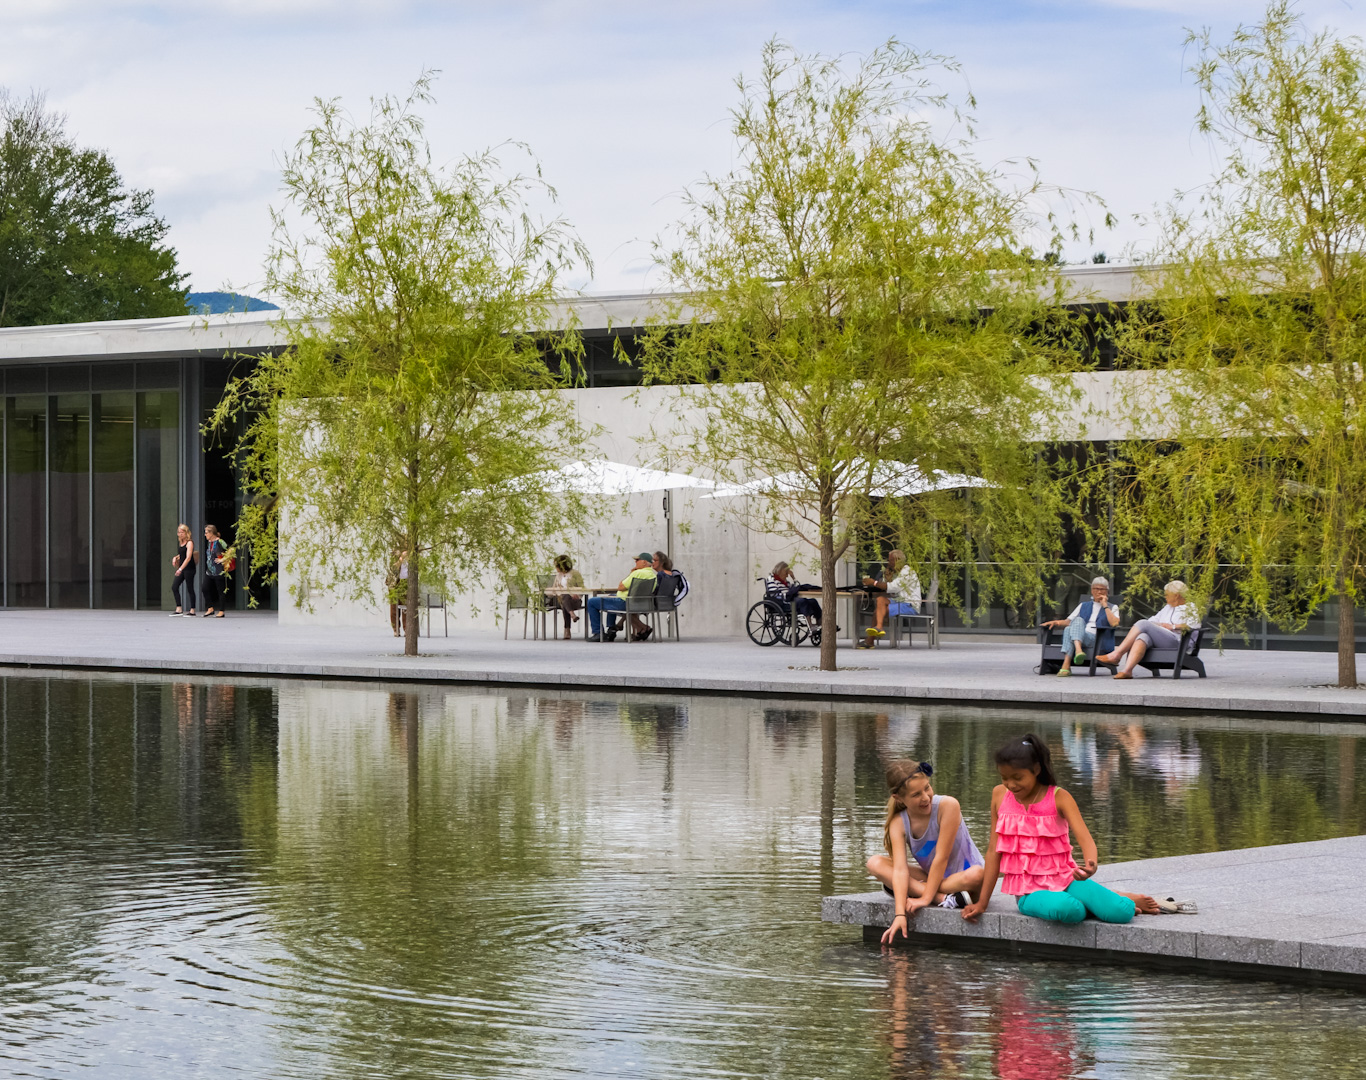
<point x="414" y="400"/>
<point x="863" y="316"/>
<point x="1256" y="486"/>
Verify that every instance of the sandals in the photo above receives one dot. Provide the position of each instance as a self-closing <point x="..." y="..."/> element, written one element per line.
<point x="1124" y="675"/>
<point x="1172" y="906"/>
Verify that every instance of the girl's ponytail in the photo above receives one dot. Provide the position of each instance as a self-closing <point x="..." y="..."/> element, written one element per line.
<point x="898" y="772"/>
<point x="1027" y="752"/>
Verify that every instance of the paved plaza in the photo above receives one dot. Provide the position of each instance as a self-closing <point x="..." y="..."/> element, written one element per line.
<point x="1250" y="921"/>
<point x="257" y="644"/>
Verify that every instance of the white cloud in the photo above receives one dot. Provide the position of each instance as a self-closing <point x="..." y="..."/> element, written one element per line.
<point x="624" y="103"/>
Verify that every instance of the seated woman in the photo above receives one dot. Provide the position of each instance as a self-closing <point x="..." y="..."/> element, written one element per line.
<point x="1089" y="618"/>
<point x="1162" y="631"/>
<point x="930" y="858"/>
<point x="900" y="595"/>
<point x="566" y="577"/>
<point x="782" y="584"/>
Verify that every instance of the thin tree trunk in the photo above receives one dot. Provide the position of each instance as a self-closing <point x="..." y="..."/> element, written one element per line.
<point x="1347" y="637"/>
<point x="829" y="611"/>
<point x="410" y="602"/>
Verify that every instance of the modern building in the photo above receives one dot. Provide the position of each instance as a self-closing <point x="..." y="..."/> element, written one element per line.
<point x="104" y="454"/>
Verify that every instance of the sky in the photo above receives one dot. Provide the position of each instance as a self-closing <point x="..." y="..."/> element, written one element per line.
<point x="624" y="104"/>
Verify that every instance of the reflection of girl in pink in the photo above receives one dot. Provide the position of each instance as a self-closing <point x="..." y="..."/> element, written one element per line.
<point x="1034" y="1045"/>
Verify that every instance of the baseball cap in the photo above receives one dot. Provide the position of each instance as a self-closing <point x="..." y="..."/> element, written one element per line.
<point x="647" y="556"/>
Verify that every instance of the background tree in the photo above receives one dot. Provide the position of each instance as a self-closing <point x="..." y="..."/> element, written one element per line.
<point x="1257" y="489"/>
<point x="863" y="309"/>
<point x="412" y="409"/>
<point x="76" y="245"/>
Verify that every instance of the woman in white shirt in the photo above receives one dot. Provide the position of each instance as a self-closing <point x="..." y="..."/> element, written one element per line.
<point x="1162" y="631"/>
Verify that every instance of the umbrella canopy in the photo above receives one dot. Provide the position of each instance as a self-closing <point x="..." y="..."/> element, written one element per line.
<point x="890" y="479"/>
<point x="614" y="478"/>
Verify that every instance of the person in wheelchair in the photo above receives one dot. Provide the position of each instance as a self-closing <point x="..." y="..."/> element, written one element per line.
<point x="782" y="584"/>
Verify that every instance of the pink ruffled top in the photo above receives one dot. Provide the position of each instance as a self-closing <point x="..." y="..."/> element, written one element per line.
<point x="1035" y="846"/>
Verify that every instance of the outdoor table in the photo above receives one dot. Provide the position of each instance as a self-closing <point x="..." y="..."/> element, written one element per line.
<point x="858" y="593"/>
<point x="604" y="590"/>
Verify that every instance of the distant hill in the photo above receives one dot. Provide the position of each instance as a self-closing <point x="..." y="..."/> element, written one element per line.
<point x="217" y="303"/>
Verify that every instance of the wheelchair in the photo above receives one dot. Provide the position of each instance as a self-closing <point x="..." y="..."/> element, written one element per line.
<point x="769" y="622"/>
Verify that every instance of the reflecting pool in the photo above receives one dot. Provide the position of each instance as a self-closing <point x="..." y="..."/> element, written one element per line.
<point x="304" y="879"/>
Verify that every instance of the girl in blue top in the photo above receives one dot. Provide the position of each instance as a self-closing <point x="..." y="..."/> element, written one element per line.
<point x="930" y="857"/>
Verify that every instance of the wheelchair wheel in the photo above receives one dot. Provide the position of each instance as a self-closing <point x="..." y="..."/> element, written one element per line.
<point x="807" y="629"/>
<point x="766" y="623"/>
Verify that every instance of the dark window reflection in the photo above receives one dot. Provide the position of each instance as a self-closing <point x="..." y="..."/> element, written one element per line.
<point x="112" y="495"/>
<point x="69" y="491"/>
<point x="26" y="480"/>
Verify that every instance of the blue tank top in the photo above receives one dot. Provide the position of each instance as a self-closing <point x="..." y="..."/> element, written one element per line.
<point x="922" y="848"/>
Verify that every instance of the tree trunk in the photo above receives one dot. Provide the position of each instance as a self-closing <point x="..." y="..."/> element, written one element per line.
<point x="1347" y="638"/>
<point x="829" y="610"/>
<point x="410" y="603"/>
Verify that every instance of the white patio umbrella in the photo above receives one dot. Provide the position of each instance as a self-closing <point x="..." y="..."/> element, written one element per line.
<point x="615" y="478"/>
<point x="890" y="479"/>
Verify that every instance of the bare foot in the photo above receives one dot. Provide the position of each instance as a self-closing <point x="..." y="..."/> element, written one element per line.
<point x="1143" y="904"/>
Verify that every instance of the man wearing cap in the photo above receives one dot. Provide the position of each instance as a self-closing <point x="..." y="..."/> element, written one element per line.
<point x="598" y="604"/>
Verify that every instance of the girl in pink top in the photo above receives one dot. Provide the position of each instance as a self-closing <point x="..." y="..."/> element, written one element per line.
<point x="1031" y="844"/>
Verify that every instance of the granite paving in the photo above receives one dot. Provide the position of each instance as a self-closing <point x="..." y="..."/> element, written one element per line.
<point x="1288" y="684"/>
<point x="1290" y="912"/>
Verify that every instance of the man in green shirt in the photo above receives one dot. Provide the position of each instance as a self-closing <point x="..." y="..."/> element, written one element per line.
<point x="598" y="604"/>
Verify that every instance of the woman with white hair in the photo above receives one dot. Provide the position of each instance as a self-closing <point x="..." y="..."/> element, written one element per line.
<point x="1162" y="631"/>
<point x="1089" y="618"/>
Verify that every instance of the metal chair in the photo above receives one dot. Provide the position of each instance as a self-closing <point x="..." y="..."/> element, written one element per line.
<point x="929" y="617"/>
<point x="518" y="599"/>
<point x="436" y="600"/>
<point x="640" y="600"/>
<point x="666" y="606"/>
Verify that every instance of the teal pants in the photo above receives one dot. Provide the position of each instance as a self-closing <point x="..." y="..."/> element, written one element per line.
<point x="1072" y="905"/>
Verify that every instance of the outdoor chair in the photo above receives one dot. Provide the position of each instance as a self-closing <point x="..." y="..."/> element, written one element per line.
<point x="666" y="607"/>
<point x="1185" y="657"/>
<point x="518" y="599"/>
<point x="436" y="600"/>
<point x="640" y="600"/>
<point x="1050" y="657"/>
<point x="928" y="618"/>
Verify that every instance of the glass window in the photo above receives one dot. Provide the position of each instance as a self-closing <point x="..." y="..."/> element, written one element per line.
<point x="69" y="501"/>
<point x="158" y="494"/>
<point x="112" y="495"/>
<point x="26" y="481"/>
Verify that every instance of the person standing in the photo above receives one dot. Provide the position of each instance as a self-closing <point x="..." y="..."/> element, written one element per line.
<point x="182" y="563"/>
<point x="215" y="555"/>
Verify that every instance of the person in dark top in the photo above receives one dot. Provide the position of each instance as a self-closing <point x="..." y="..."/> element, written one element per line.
<point x="215" y="555"/>
<point x="182" y="562"/>
<point x="782" y="584"/>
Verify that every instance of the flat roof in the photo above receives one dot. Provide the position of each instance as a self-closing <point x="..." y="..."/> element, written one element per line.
<point x="263" y="331"/>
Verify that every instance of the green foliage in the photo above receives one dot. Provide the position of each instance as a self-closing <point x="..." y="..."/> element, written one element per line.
<point x="1256" y="485"/>
<point x="76" y="245"/>
<point x="860" y="291"/>
<point x="413" y="410"/>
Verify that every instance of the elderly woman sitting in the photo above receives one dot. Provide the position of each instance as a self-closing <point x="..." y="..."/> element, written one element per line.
<point x="1088" y="618"/>
<point x="1162" y="631"/>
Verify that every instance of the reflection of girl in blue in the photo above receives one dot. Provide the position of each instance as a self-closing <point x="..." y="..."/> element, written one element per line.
<point x="944" y="865"/>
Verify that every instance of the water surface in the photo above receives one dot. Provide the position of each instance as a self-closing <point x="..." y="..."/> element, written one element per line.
<point x="313" y="880"/>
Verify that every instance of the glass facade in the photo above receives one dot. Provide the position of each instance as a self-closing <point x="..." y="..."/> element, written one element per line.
<point x="92" y="484"/>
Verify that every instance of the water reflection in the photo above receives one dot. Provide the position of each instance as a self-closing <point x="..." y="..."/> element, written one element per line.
<point x="339" y="881"/>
